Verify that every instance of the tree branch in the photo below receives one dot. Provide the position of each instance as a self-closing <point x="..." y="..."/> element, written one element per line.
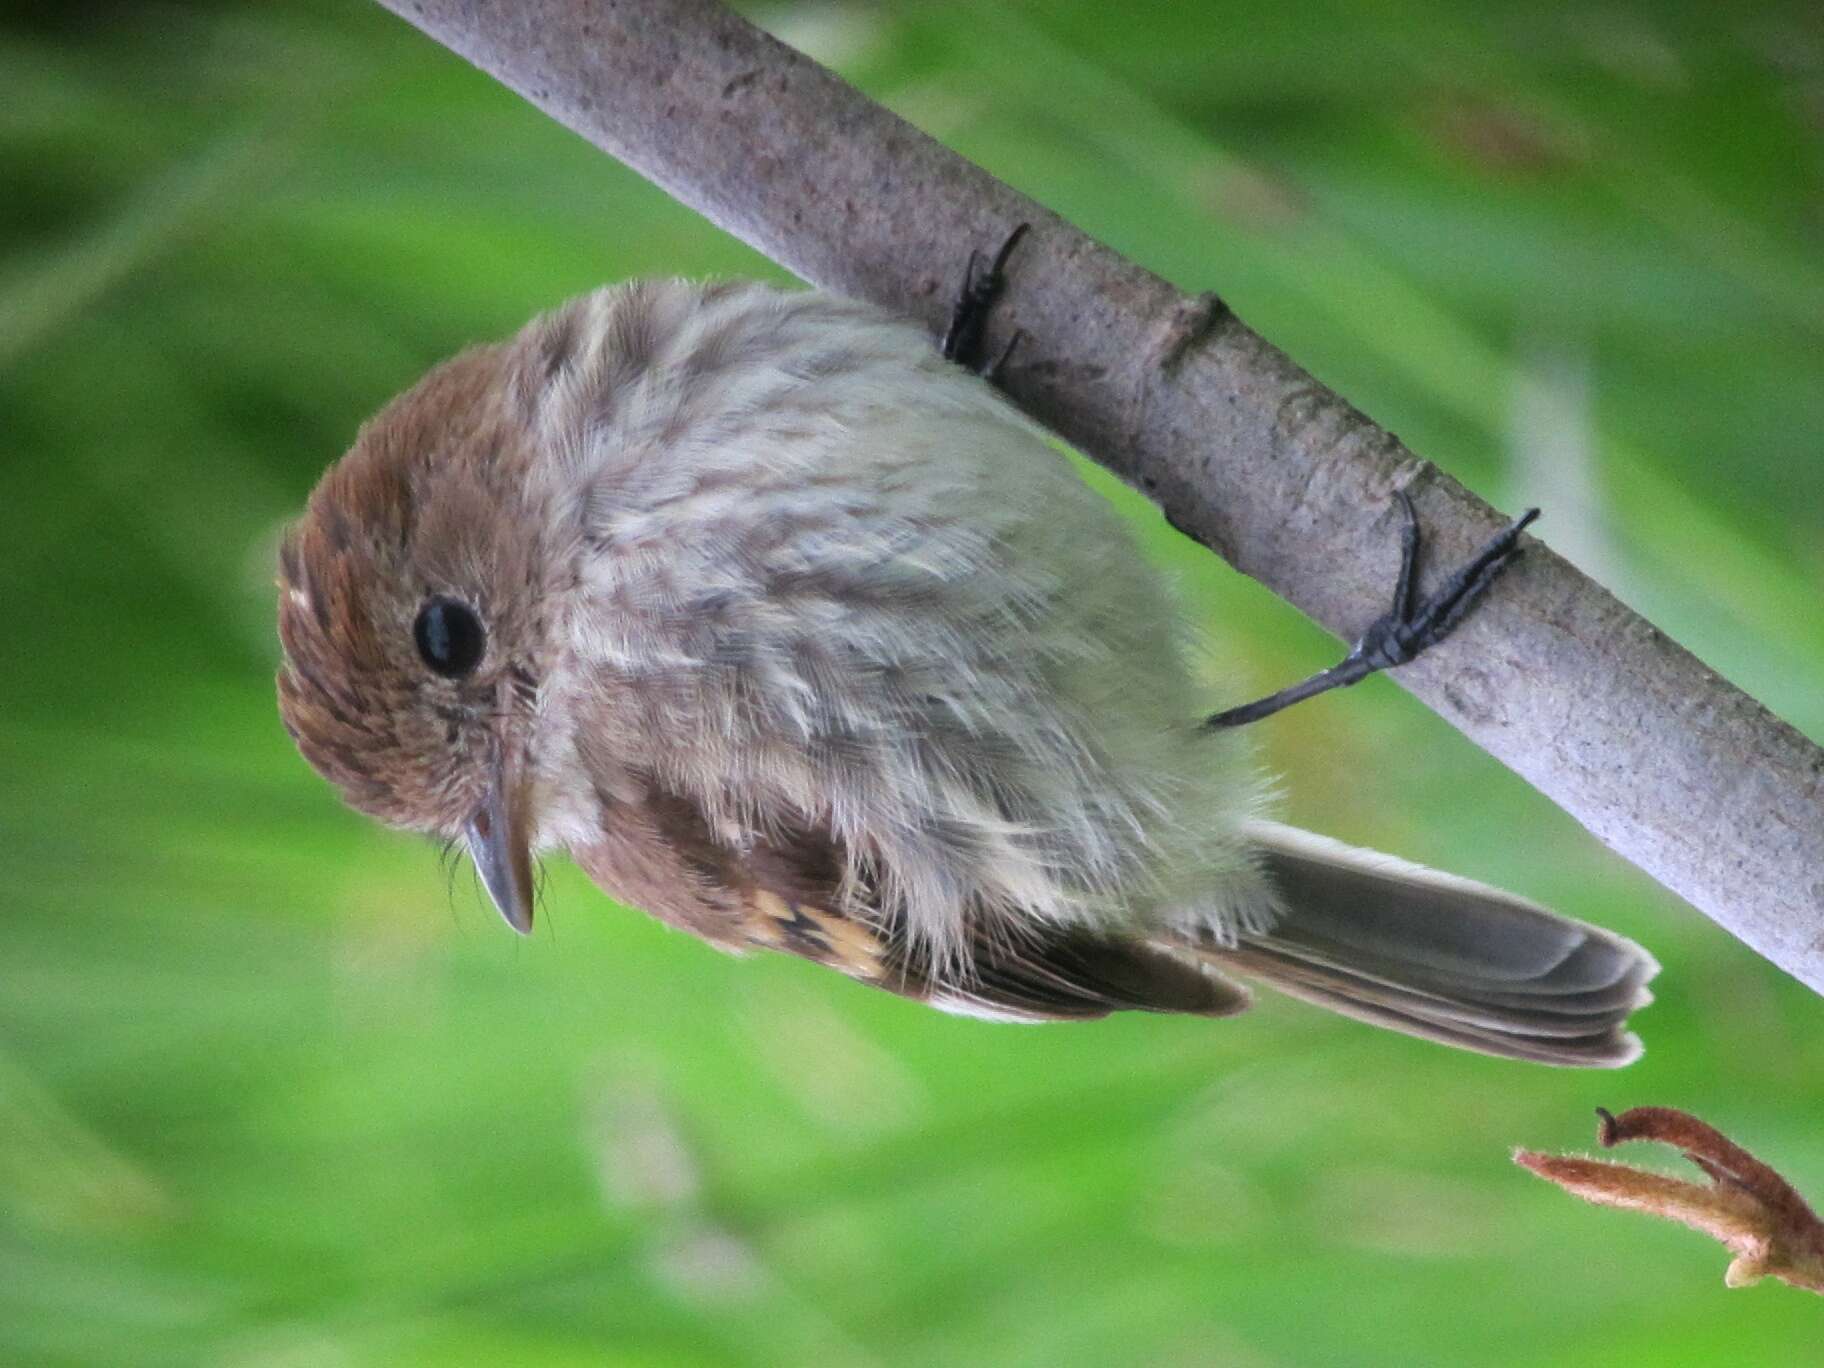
<point x="1662" y="760"/>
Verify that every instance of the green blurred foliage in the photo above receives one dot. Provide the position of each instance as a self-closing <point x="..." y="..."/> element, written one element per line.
<point x="276" y="1090"/>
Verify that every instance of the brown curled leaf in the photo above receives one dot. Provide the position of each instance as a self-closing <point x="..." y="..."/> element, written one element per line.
<point x="1754" y="1212"/>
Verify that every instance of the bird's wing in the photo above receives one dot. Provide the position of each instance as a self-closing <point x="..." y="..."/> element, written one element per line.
<point x="1015" y="969"/>
<point x="785" y="889"/>
<point x="1051" y="974"/>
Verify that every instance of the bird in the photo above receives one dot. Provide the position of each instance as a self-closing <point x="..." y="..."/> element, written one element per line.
<point x="800" y="637"/>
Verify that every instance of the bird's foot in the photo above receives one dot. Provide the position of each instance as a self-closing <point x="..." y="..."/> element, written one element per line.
<point x="983" y="281"/>
<point x="1409" y="628"/>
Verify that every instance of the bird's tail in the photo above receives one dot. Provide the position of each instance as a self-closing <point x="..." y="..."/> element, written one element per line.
<point x="1436" y="956"/>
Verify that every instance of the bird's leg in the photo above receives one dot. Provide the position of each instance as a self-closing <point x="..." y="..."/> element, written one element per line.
<point x="982" y="285"/>
<point x="1408" y="629"/>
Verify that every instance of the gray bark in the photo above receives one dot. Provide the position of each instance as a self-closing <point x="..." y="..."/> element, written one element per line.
<point x="1664" y="761"/>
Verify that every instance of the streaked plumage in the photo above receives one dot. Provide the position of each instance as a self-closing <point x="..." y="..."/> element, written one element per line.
<point x="800" y="637"/>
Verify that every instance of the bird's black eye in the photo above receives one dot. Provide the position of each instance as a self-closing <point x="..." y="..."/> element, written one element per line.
<point x="450" y="637"/>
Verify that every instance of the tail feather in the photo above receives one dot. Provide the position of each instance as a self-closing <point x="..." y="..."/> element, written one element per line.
<point x="1441" y="957"/>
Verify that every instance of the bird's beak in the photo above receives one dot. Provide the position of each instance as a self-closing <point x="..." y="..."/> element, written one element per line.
<point x="498" y="845"/>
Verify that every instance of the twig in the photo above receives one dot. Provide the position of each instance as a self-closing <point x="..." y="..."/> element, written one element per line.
<point x="1746" y="1205"/>
<point x="1668" y="764"/>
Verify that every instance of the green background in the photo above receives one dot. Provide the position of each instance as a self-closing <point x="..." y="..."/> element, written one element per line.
<point x="276" y="1089"/>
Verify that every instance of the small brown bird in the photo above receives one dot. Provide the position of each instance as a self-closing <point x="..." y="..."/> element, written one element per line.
<point x="798" y="636"/>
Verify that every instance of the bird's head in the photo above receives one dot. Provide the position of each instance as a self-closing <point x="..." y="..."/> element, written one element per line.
<point x="413" y="597"/>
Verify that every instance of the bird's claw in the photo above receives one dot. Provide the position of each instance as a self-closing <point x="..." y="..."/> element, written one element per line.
<point x="982" y="286"/>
